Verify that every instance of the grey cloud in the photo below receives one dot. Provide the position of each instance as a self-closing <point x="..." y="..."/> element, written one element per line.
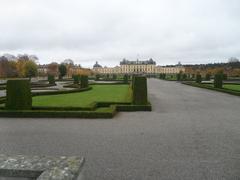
<point x="192" y="31"/>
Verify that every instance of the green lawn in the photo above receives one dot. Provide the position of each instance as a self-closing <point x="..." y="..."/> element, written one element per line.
<point x="103" y="93"/>
<point x="235" y="87"/>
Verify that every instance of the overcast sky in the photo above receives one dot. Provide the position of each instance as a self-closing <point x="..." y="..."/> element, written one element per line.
<point x="190" y="31"/>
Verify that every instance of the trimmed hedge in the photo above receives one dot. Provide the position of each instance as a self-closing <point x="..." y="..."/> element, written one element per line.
<point x="218" y="81"/>
<point x="72" y="86"/>
<point x="179" y="77"/>
<point x="97" y="77"/>
<point x="19" y="95"/>
<point x="84" y="81"/>
<point x="228" y="91"/>
<point x="60" y="92"/>
<point x="2" y="87"/>
<point x="51" y="79"/>
<point x="198" y="78"/>
<point x="2" y="100"/>
<point x="125" y="78"/>
<point x="208" y="77"/>
<point x="100" y="113"/>
<point x="76" y="79"/>
<point x="140" y="90"/>
<point x="132" y="107"/>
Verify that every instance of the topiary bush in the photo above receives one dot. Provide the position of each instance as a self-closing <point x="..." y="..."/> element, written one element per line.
<point x="208" y="77"/>
<point x="218" y="80"/>
<point x="76" y="79"/>
<point x="125" y="78"/>
<point x="140" y="90"/>
<point x="184" y="77"/>
<point x="51" y="79"/>
<point x="97" y="77"/>
<point x="198" y="78"/>
<point x="225" y="76"/>
<point x="164" y="76"/>
<point x="19" y="95"/>
<point x="114" y="76"/>
<point x="178" y="77"/>
<point x="84" y="81"/>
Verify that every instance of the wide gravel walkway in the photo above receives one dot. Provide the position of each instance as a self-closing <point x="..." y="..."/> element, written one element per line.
<point x="192" y="133"/>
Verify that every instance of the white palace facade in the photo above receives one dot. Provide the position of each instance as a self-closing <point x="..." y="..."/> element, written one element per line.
<point x="138" y="67"/>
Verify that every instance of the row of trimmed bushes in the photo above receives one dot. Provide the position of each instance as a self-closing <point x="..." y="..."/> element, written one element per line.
<point x="61" y="92"/>
<point x="108" y="112"/>
<point x="83" y="80"/>
<point x="59" y="114"/>
<point x="218" y="80"/>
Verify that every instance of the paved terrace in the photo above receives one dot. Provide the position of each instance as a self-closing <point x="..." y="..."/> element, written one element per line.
<point x="191" y="134"/>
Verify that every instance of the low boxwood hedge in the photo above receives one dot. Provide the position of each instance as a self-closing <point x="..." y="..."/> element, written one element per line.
<point x="111" y="83"/>
<point x="133" y="107"/>
<point x="100" y="113"/>
<point x="2" y="100"/>
<point x="228" y="91"/>
<point x="2" y="87"/>
<point x="60" y="92"/>
<point x="72" y="86"/>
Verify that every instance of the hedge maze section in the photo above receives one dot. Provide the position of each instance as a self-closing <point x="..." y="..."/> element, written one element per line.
<point x="101" y="101"/>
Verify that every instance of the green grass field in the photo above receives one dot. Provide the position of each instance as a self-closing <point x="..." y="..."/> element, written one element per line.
<point x="235" y="87"/>
<point x="103" y="93"/>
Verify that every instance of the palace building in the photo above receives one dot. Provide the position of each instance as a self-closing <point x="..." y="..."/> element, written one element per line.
<point x="138" y="67"/>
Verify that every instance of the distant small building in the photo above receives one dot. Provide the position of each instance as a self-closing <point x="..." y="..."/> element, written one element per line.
<point x="42" y="70"/>
<point x="138" y="67"/>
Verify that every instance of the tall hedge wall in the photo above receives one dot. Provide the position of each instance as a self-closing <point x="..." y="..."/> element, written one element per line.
<point x="84" y="81"/>
<point x="140" y="90"/>
<point x="19" y="95"/>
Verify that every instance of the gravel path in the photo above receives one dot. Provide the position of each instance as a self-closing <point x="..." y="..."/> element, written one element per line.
<point x="192" y="133"/>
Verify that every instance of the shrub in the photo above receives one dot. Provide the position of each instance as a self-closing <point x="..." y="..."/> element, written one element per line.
<point x="84" y="81"/>
<point x="218" y="80"/>
<point x="76" y="79"/>
<point x="198" y="78"/>
<point x="178" y="77"/>
<point x="97" y="77"/>
<point x="62" y="70"/>
<point x="160" y="76"/>
<point x="184" y="77"/>
<point x="125" y="78"/>
<point x="51" y="79"/>
<point x="114" y="76"/>
<point x="225" y="77"/>
<point x="19" y="95"/>
<point x="164" y="76"/>
<point x="140" y="90"/>
<point x="207" y="77"/>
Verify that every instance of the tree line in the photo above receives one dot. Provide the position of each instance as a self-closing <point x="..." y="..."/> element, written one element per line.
<point x="20" y="66"/>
